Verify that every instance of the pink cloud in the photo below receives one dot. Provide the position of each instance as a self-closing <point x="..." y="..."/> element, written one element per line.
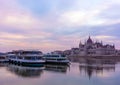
<point x="13" y="15"/>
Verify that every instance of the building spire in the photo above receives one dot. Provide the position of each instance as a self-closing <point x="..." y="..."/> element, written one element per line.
<point x="101" y="42"/>
<point x="89" y="40"/>
<point x="80" y="44"/>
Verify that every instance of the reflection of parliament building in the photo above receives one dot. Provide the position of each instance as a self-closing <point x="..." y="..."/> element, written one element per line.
<point x="93" y="67"/>
<point x="93" y="48"/>
<point x="90" y="70"/>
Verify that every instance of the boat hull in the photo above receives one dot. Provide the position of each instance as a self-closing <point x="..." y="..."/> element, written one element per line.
<point x="4" y="61"/>
<point x="28" y="63"/>
<point x="32" y="64"/>
<point x="55" y="59"/>
<point x="57" y="62"/>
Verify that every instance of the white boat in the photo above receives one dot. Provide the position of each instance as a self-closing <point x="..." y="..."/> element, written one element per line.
<point x="26" y="57"/>
<point x="56" y="58"/>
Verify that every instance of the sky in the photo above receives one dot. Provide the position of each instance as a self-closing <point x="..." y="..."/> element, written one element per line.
<point x="49" y="25"/>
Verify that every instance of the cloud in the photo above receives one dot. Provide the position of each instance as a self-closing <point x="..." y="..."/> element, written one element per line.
<point x="60" y="24"/>
<point x="104" y="37"/>
<point x="13" y="15"/>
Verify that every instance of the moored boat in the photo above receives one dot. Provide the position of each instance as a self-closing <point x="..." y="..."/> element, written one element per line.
<point x="26" y="57"/>
<point x="55" y="58"/>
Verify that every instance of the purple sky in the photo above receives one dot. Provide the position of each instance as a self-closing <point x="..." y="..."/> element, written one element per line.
<point x="50" y="25"/>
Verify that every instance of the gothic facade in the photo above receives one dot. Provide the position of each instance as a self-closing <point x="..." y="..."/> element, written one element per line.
<point x="94" y="48"/>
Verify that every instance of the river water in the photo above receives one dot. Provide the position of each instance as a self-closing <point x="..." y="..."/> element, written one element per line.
<point x="83" y="72"/>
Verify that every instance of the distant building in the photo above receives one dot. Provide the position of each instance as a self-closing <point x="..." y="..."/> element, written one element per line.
<point x="57" y="52"/>
<point x="93" y="48"/>
<point x="118" y="52"/>
<point x="67" y="52"/>
<point x="75" y="51"/>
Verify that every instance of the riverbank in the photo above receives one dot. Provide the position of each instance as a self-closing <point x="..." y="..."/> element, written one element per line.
<point x="98" y="56"/>
<point x="79" y="58"/>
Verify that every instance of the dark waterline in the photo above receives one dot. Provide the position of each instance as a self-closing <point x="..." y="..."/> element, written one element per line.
<point x="82" y="72"/>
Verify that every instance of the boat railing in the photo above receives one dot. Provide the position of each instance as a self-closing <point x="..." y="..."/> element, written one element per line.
<point x="31" y="55"/>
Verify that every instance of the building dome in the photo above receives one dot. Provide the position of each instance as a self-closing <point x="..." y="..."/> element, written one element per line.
<point x="89" y="41"/>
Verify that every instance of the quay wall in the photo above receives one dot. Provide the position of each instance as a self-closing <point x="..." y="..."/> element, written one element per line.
<point x="96" y="56"/>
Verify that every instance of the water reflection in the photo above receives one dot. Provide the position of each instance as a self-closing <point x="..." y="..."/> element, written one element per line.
<point x="87" y="66"/>
<point x="85" y="71"/>
<point x="25" y="71"/>
<point x="96" y="69"/>
<point x="35" y="71"/>
<point x="92" y="66"/>
<point x="56" y="68"/>
<point x="3" y="64"/>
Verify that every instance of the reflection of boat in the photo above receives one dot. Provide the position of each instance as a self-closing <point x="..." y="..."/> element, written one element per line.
<point x="25" y="71"/>
<point x="55" y="58"/>
<point x="56" y="68"/>
<point x="3" y="64"/>
<point x="26" y="57"/>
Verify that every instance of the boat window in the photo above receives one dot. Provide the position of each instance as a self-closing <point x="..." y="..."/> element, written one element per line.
<point x="60" y="59"/>
<point x="63" y="55"/>
<point x="38" y="58"/>
<point x="50" y="59"/>
<point x="2" y="57"/>
<point x="20" y="57"/>
<point x="29" y="58"/>
<point x="52" y="55"/>
<point x="12" y="56"/>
